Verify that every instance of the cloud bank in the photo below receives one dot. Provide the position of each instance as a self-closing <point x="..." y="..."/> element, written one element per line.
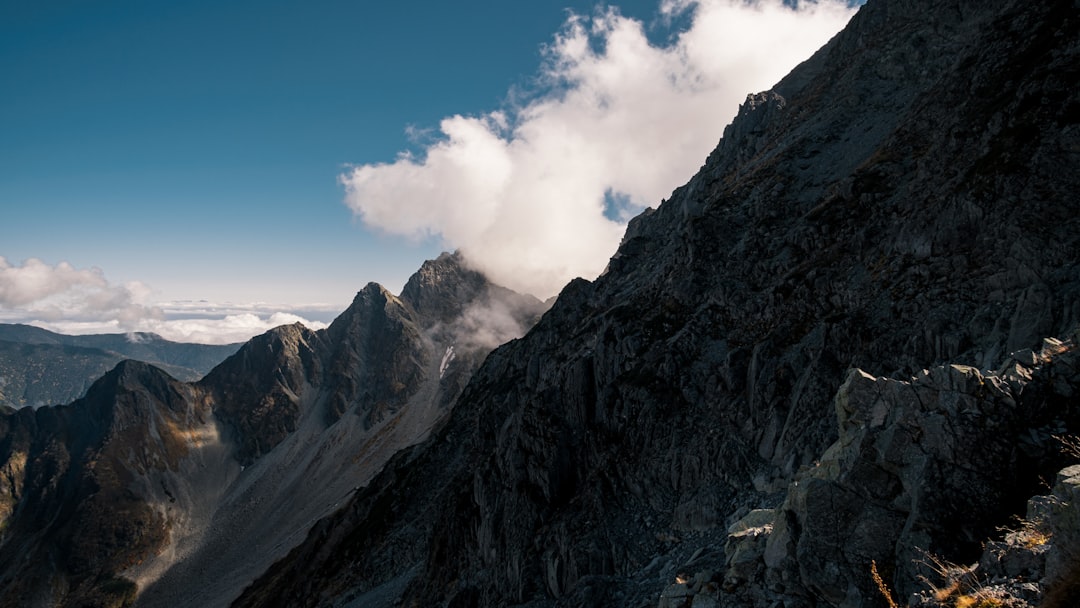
<point x="52" y="293"/>
<point x="68" y="300"/>
<point x="540" y="193"/>
<point x="219" y="329"/>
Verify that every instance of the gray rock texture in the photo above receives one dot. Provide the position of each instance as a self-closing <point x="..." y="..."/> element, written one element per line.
<point x="1035" y="563"/>
<point x="928" y="466"/>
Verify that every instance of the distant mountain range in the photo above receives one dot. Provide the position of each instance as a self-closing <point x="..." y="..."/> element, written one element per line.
<point x="838" y="368"/>
<point x="39" y="367"/>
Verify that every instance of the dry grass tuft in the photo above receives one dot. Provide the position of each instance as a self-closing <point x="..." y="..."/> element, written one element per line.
<point x="961" y="588"/>
<point x="1070" y="445"/>
<point x="881" y="586"/>
<point x="1030" y="533"/>
<point x="977" y="601"/>
<point x="949" y="590"/>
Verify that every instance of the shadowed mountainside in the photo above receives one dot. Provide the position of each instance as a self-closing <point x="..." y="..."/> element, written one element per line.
<point x="904" y="199"/>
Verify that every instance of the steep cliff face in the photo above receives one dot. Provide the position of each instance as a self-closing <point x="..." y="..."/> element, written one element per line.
<point x="180" y="494"/>
<point x="904" y="199"/>
<point x="383" y="361"/>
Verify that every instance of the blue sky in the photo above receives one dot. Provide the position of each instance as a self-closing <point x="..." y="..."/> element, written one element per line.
<point x="200" y="142"/>
<point x="198" y="148"/>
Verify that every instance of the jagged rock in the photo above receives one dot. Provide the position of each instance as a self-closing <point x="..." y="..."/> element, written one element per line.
<point x="381" y="360"/>
<point x="745" y="547"/>
<point x="913" y="459"/>
<point x="257" y="391"/>
<point x="1013" y="558"/>
<point x="384" y="373"/>
<point x="86" y="494"/>
<point x="1012" y="572"/>
<point x="1064" y="526"/>
<point x="905" y="199"/>
<point x="676" y="596"/>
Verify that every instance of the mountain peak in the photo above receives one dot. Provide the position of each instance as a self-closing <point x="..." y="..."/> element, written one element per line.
<point x="442" y="287"/>
<point x="373" y="297"/>
<point x="129" y="374"/>
<point x="257" y="388"/>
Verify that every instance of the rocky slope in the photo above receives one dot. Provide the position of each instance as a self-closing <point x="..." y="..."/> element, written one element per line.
<point x="923" y="468"/>
<point x="905" y="199"/>
<point x="79" y="483"/>
<point x="39" y="367"/>
<point x="180" y="493"/>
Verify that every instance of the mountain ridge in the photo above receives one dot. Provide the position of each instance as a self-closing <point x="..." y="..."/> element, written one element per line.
<point x="877" y="210"/>
<point x="830" y="352"/>
<point x="39" y="367"/>
<point x="202" y="475"/>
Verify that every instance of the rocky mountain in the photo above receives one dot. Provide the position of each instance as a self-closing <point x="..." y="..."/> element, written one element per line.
<point x="688" y="428"/>
<point x="831" y="370"/>
<point x="181" y="493"/>
<point x="39" y="367"/>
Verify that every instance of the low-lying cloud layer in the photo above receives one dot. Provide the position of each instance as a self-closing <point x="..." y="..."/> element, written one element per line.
<point x="68" y="300"/>
<point x="539" y="193"/>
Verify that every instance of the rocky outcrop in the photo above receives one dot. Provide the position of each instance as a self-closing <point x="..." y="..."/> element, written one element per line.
<point x="1057" y="518"/>
<point x="383" y="363"/>
<point x="903" y="200"/>
<point x="926" y="467"/>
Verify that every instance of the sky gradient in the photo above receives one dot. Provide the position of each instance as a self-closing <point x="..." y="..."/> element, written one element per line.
<point x="191" y="161"/>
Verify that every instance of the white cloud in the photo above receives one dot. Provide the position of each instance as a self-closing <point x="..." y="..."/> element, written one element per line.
<point x="68" y="300"/>
<point x="64" y="292"/>
<point x="35" y="280"/>
<point x="522" y="192"/>
<point x="219" y="329"/>
<point x="231" y="328"/>
<point x="487" y="323"/>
